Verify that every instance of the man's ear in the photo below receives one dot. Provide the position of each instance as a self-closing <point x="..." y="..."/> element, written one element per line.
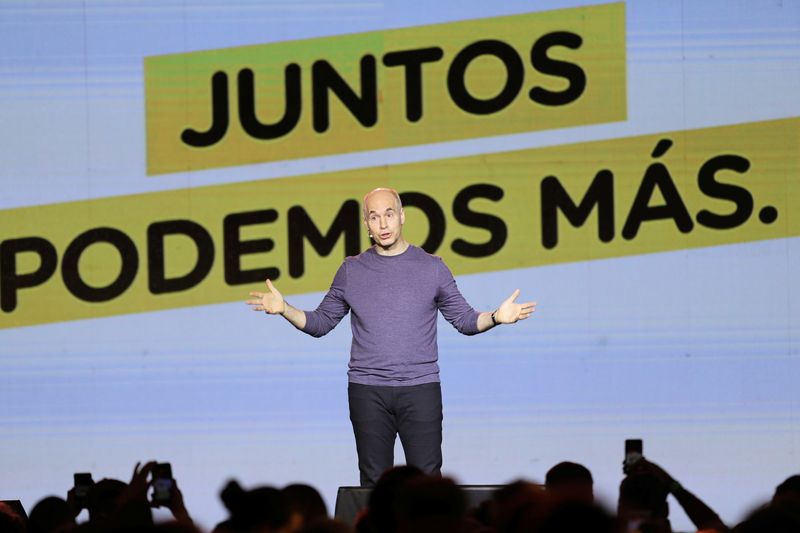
<point x="402" y="216"/>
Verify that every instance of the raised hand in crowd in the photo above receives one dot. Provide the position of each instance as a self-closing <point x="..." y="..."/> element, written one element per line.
<point x="177" y="506"/>
<point x="662" y="483"/>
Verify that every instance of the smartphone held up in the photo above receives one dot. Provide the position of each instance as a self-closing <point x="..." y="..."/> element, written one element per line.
<point x="163" y="485"/>
<point x="633" y="454"/>
<point x="82" y="483"/>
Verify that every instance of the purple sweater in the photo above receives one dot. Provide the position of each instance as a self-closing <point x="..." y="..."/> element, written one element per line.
<point x="394" y="300"/>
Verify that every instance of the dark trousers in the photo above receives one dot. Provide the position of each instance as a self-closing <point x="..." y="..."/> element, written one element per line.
<point x="380" y="413"/>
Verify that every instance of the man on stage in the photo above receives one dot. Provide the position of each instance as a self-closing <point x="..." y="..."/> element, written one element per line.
<point x="393" y="291"/>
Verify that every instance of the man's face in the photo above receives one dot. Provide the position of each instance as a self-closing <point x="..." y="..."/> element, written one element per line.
<point x="385" y="219"/>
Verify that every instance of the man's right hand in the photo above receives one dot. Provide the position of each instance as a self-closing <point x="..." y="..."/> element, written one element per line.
<point x="271" y="302"/>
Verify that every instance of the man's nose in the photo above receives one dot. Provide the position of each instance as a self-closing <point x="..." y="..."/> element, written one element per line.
<point x="384" y="223"/>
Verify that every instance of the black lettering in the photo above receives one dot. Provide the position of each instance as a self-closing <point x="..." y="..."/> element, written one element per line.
<point x="301" y="227"/>
<point x="741" y="197"/>
<point x="768" y="214"/>
<point x="412" y="60"/>
<point x="555" y="198"/>
<point x="71" y="275"/>
<point x="219" y="116"/>
<point x="157" y="281"/>
<point x="456" y="77"/>
<point x="435" y="215"/>
<point x="657" y="175"/>
<point x="364" y="108"/>
<point x="234" y="247"/>
<point x="494" y="225"/>
<point x="12" y="281"/>
<point x="573" y="73"/>
<point x="247" y="105"/>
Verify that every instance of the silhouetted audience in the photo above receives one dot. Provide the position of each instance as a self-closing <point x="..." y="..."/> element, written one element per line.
<point x="643" y="501"/>
<point x="101" y="501"/>
<point x="328" y="525"/>
<point x="306" y="503"/>
<point x="51" y="515"/>
<point x="776" y="517"/>
<point x="263" y="510"/>
<point x="789" y="491"/>
<point x="570" y="481"/>
<point x="574" y="516"/>
<point x="380" y="515"/>
<point x="780" y="515"/>
<point x="519" y="506"/>
<point x="643" y="504"/>
<point x="430" y="504"/>
<point x="10" y="521"/>
<point x="405" y="500"/>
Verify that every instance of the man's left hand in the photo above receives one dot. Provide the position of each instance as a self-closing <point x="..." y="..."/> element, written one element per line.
<point x="510" y="311"/>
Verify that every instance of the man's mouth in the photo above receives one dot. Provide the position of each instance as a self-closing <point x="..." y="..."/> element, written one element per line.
<point x="385" y="235"/>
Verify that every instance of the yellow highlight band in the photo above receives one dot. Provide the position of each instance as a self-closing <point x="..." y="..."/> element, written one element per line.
<point x="481" y="213"/>
<point x="385" y="89"/>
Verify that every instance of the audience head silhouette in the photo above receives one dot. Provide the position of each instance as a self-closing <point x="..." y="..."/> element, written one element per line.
<point x="263" y="510"/>
<point x="570" y="481"/>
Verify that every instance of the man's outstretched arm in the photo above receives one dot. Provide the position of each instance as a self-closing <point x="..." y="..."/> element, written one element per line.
<point x="509" y="312"/>
<point x="272" y="302"/>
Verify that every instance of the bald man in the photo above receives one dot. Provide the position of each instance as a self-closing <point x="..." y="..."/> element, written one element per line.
<point x="393" y="291"/>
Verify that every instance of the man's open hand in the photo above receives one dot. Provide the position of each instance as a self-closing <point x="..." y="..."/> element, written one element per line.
<point x="510" y="311"/>
<point x="271" y="301"/>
